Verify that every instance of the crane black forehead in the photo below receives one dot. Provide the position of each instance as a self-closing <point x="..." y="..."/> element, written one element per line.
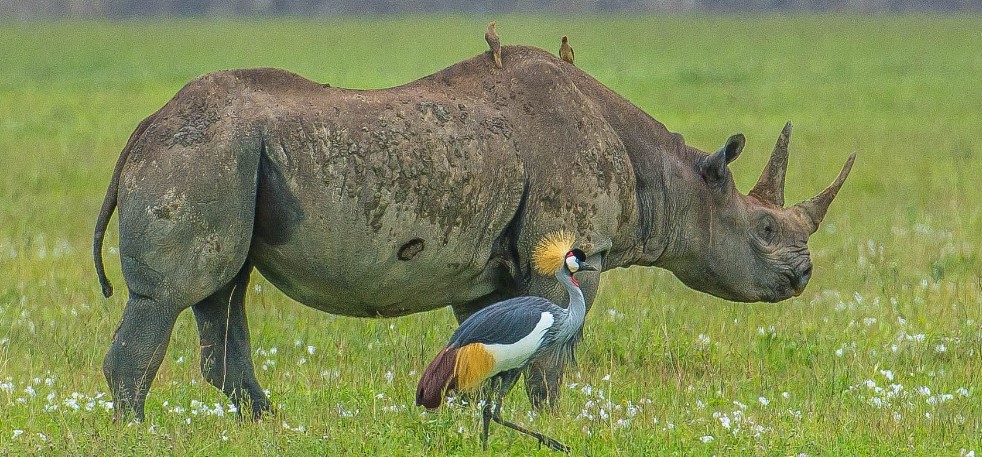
<point x="579" y="254"/>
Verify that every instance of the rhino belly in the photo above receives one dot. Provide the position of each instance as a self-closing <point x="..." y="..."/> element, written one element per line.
<point x="376" y="277"/>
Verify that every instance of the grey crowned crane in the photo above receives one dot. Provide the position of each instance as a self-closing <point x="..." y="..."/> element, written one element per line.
<point x="499" y="341"/>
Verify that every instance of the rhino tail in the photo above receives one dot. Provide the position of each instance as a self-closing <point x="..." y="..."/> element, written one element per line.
<point x="437" y="379"/>
<point x="109" y="205"/>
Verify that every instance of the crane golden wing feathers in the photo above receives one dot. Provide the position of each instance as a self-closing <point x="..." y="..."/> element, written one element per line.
<point x="473" y="366"/>
<point x="550" y="252"/>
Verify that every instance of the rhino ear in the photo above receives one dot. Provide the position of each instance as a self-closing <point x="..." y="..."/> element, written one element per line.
<point x="714" y="166"/>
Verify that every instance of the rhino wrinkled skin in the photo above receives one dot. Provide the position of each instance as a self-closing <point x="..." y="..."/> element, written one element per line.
<point x="381" y="203"/>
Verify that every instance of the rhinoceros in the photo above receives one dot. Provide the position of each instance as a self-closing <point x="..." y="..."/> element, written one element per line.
<point x="381" y="203"/>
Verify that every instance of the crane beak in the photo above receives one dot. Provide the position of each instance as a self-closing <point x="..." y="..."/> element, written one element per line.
<point x="587" y="267"/>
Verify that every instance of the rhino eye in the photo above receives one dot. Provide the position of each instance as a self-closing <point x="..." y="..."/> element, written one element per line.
<point x="767" y="230"/>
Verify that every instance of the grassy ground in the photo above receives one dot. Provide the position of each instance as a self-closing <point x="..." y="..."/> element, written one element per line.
<point x="881" y="355"/>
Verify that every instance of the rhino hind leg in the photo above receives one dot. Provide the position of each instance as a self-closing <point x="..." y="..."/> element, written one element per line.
<point x="226" y="360"/>
<point x="136" y="352"/>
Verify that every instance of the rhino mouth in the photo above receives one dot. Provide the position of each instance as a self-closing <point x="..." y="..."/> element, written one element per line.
<point x="792" y="284"/>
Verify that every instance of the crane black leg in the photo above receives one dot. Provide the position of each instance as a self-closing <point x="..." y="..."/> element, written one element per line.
<point x="487" y="413"/>
<point x="492" y="412"/>
<point x="549" y="442"/>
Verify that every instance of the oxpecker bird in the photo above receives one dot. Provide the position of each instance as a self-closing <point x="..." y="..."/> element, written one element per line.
<point x="494" y="43"/>
<point x="566" y="51"/>
<point x="499" y="341"/>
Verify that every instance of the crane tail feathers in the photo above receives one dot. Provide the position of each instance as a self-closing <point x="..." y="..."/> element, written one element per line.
<point x="437" y="378"/>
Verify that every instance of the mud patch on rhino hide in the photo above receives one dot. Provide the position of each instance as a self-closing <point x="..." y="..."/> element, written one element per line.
<point x="437" y="110"/>
<point x="411" y="248"/>
<point x="170" y="207"/>
<point x="196" y="118"/>
<point x="211" y="245"/>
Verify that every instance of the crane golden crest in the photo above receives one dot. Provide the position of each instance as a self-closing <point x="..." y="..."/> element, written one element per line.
<point x="550" y="252"/>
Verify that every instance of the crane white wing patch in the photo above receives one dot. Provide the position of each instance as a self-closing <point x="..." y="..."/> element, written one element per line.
<point x="511" y="356"/>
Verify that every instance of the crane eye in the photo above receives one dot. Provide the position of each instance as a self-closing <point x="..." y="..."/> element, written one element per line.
<point x="572" y="264"/>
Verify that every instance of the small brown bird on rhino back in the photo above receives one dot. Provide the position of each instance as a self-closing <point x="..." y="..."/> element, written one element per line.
<point x="494" y="43"/>
<point x="566" y="51"/>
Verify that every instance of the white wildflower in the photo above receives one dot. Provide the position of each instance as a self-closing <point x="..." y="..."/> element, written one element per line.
<point x="707" y="439"/>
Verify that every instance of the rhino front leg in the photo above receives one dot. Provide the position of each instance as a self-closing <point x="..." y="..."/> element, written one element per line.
<point x="136" y="352"/>
<point x="544" y="376"/>
<point x="226" y="354"/>
<point x="542" y="380"/>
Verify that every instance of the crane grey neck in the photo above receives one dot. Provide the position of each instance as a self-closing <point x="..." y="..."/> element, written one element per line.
<point x="575" y="312"/>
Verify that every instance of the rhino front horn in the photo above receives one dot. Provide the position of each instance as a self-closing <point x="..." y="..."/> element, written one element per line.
<point x="770" y="185"/>
<point x="815" y="208"/>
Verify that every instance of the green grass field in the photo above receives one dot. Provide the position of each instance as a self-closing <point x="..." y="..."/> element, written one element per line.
<point x="879" y="356"/>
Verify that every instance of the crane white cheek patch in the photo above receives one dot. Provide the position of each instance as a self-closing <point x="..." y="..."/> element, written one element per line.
<point x="511" y="356"/>
<point x="572" y="264"/>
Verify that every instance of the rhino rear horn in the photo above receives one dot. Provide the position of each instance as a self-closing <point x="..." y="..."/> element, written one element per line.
<point x="816" y="207"/>
<point x="770" y="185"/>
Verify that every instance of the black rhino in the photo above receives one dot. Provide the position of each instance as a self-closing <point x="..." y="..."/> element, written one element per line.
<point x="381" y="203"/>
